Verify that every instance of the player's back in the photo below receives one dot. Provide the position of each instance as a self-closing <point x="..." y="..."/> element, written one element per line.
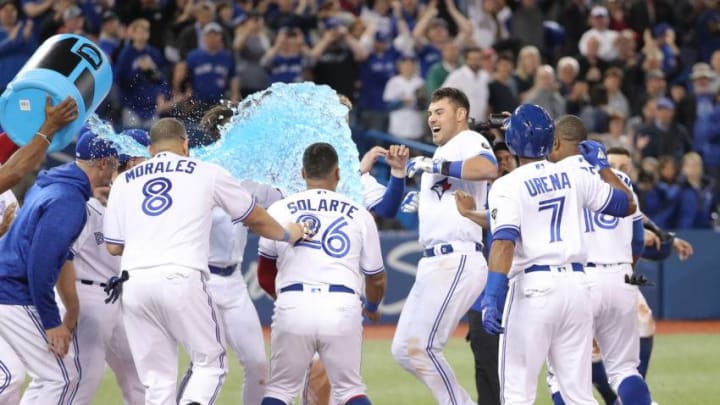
<point x="607" y="238"/>
<point x="161" y="210"/>
<point x="91" y="259"/>
<point x="544" y="202"/>
<point x="345" y="244"/>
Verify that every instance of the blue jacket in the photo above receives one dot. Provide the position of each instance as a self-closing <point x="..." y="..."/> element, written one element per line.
<point x="37" y="244"/>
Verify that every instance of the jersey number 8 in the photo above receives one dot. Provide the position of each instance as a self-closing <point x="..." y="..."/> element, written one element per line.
<point x="157" y="200"/>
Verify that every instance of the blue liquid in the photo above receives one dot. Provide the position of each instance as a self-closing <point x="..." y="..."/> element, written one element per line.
<point x="124" y="144"/>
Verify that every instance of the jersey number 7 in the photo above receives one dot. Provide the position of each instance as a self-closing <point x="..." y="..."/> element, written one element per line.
<point x="555" y="205"/>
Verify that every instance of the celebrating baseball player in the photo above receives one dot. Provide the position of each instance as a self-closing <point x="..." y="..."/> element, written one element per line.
<point x="613" y="246"/>
<point x="453" y="271"/>
<point x="537" y="243"/>
<point x="32" y="334"/>
<point x="318" y="284"/>
<point x="158" y="218"/>
<point x="100" y="330"/>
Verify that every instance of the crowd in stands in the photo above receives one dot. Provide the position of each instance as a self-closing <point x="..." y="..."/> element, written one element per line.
<point x="643" y="75"/>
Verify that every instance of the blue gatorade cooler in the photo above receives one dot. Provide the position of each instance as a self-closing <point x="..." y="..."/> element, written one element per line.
<point x="64" y="65"/>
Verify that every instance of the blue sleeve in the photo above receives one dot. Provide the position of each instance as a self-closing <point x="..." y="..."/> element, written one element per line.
<point x="9" y="45"/>
<point x="391" y="200"/>
<point x="506" y="233"/>
<point x="638" y="238"/>
<point x="618" y="204"/>
<point x="55" y="232"/>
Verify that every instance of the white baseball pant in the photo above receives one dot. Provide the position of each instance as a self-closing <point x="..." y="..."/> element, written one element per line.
<point x="163" y="306"/>
<point x="243" y="331"/>
<point x="444" y="290"/>
<point x="23" y="345"/>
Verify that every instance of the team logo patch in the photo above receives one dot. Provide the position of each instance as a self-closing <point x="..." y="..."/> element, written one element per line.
<point x="441" y="187"/>
<point x="99" y="238"/>
<point x="493" y="213"/>
<point x="601" y="155"/>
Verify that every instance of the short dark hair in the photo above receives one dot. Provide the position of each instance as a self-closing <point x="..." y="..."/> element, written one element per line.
<point x="471" y="49"/>
<point x="214" y="117"/>
<point x="456" y="96"/>
<point x="618" y="150"/>
<point x="570" y="128"/>
<point x="319" y="160"/>
<point x="167" y="129"/>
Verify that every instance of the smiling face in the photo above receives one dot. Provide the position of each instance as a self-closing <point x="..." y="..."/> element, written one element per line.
<point x="445" y="120"/>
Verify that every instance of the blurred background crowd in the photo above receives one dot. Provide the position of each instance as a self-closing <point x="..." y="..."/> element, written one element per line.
<point x="642" y="74"/>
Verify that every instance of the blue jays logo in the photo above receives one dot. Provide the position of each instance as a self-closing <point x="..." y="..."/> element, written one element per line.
<point x="99" y="238"/>
<point x="441" y="187"/>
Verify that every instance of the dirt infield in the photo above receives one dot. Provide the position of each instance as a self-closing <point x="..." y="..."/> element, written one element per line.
<point x="663" y="327"/>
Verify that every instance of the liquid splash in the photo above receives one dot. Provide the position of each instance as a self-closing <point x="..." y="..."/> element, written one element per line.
<point x="124" y="144"/>
<point x="265" y="138"/>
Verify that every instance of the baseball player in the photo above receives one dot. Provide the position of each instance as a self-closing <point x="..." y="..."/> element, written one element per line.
<point x="534" y="213"/>
<point x="318" y="307"/>
<point x="453" y="271"/>
<point x="227" y="286"/>
<point x="32" y="334"/>
<point x="100" y="331"/>
<point x="613" y="246"/>
<point x="159" y="218"/>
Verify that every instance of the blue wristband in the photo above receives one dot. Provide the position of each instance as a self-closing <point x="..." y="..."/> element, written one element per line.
<point x="496" y="285"/>
<point x="286" y="236"/>
<point x="372" y="306"/>
<point x="452" y="169"/>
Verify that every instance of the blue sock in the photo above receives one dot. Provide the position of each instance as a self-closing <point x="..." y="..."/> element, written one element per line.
<point x="359" y="400"/>
<point x="600" y="381"/>
<point x="634" y="391"/>
<point x="272" y="401"/>
<point x="557" y="399"/>
<point x="646" y="346"/>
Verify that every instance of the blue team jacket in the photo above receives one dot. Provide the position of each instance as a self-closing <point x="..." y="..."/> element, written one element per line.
<point x="37" y="243"/>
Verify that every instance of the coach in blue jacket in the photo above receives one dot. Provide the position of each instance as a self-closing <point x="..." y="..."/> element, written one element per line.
<point x="33" y="251"/>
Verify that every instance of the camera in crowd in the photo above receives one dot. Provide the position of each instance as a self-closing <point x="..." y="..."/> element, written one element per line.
<point x="495" y="121"/>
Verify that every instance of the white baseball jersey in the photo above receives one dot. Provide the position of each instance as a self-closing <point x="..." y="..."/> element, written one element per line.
<point x="440" y="221"/>
<point x="547" y="199"/>
<point x="345" y="235"/>
<point x="228" y="239"/>
<point x="160" y="210"/>
<point x="608" y="239"/>
<point x="373" y="191"/>
<point x="91" y="259"/>
<point x="6" y="199"/>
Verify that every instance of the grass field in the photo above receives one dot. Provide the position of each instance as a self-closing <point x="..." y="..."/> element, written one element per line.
<point x="685" y="370"/>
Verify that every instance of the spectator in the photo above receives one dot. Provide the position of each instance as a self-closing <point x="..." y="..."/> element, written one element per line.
<point x="503" y="89"/>
<point x="706" y="139"/>
<point x="592" y="67"/>
<point x="250" y="44"/>
<point x="527" y="64"/>
<point x="288" y="58"/>
<point x="375" y="72"/>
<point x="706" y="31"/>
<point x="38" y="11"/>
<point x="336" y="57"/>
<point x="664" y="40"/>
<point x="568" y="69"/>
<point x="441" y="69"/>
<point x="645" y="14"/>
<point x="190" y="36"/>
<point x="406" y="118"/>
<point x="645" y="118"/>
<point x="616" y="137"/>
<point x="140" y="78"/>
<point x="616" y="12"/>
<point x="490" y="21"/>
<point x="110" y="35"/>
<point x="545" y="92"/>
<point x="527" y="24"/>
<point x="473" y="81"/>
<point x="616" y="99"/>
<point x="159" y="13"/>
<point x="282" y="14"/>
<point x="702" y="76"/>
<point x="662" y="200"/>
<point x="655" y="87"/>
<point x="16" y="42"/>
<point x="599" y="29"/>
<point x="575" y="20"/>
<point x="73" y="21"/>
<point x="379" y="16"/>
<point x="594" y="115"/>
<point x="715" y="65"/>
<point x="698" y="195"/>
<point x="664" y="136"/>
<point x="211" y="73"/>
<point x="685" y="104"/>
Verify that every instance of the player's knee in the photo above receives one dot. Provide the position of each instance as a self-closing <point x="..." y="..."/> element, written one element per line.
<point x="359" y="400"/>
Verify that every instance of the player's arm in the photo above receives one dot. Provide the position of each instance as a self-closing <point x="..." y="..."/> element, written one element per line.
<point x="620" y="201"/>
<point x="372" y="266"/>
<point x="7" y="218"/>
<point x="465" y="204"/>
<point x="68" y="294"/>
<point x="375" y="286"/>
<point x="27" y="158"/>
<point x="260" y="222"/>
<point x="397" y="158"/>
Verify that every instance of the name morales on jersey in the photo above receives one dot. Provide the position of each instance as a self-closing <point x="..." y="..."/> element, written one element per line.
<point x="343" y="207"/>
<point x="150" y="167"/>
<point x="546" y="184"/>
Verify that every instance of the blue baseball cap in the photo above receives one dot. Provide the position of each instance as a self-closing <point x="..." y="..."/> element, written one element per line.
<point x="382" y="36"/>
<point x="665" y="102"/>
<point x="90" y="147"/>
<point x="138" y="135"/>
